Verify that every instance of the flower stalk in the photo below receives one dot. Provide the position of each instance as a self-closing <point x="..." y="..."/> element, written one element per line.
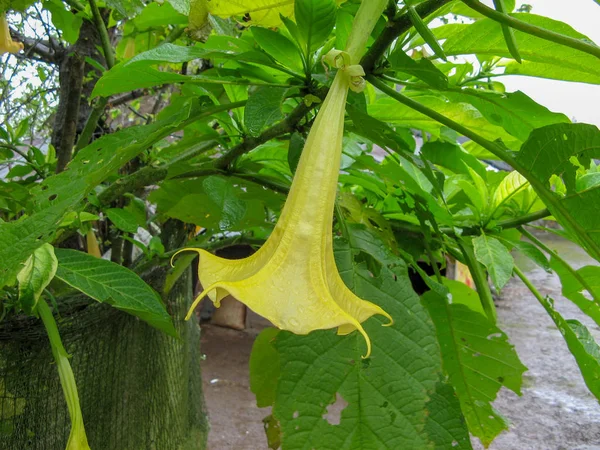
<point x="77" y="437"/>
<point x="292" y="280"/>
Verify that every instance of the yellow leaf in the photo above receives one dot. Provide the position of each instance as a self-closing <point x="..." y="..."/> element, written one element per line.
<point x="262" y="12"/>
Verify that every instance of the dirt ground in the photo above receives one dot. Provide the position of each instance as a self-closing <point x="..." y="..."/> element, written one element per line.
<point x="555" y="412"/>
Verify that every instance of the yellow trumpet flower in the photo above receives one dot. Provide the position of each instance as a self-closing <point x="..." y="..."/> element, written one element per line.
<point x="292" y="280"/>
<point x="7" y="45"/>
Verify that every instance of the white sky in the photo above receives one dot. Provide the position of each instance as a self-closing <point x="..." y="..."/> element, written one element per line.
<point x="578" y="101"/>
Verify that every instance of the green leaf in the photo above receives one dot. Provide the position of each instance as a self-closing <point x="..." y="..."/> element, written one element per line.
<point x="315" y="19"/>
<point x="223" y="194"/>
<point x="157" y="15"/>
<point x="279" y="47"/>
<point x="378" y="132"/>
<point x="123" y="219"/>
<point x="547" y="152"/>
<point x="510" y="186"/>
<point x="422" y="68"/>
<point x="391" y="395"/>
<point x="115" y="285"/>
<point x="265" y="13"/>
<point x="232" y="202"/>
<point x="533" y="253"/>
<point x="518" y="114"/>
<point x="541" y="58"/>
<point x="33" y="278"/>
<point x="61" y="193"/>
<point x="264" y="368"/>
<point x="181" y="6"/>
<point x="495" y="257"/>
<point x="581" y="345"/>
<point x="66" y="21"/>
<point x="127" y="8"/>
<point x="167" y="53"/>
<point x="263" y="109"/>
<point x="343" y="25"/>
<point x="573" y="289"/>
<point x="587" y="181"/>
<point x="389" y="110"/>
<point x="478" y="359"/>
<point x="452" y="157"/>
<point x="295" y="150"/>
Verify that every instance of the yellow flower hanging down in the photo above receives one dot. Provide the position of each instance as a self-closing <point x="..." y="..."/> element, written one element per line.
<point x="292" y="280"/>
<point x="7" y="45"/>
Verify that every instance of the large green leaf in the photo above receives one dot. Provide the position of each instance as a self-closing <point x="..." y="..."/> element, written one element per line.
<point x="547" y="152"/>
<point x="423" y="69"/>
<point x="452" y="157"/>
<point x="478" y="359"/>
<point x="542" y="58"/>
<point x="518" y="114"/>
<point x="262" y="12"/>
<point x="315" y="19"/>
<point x="263" y="109"/>
<point x="495" y="257"/>
<point x="264" y="368"/>
<point x="216" y="202"/>
<point x="33" y="278"/>
<point x="389" y="110"/>
<point x="581" y="345"/>
<point x="222" y="193"/>
<point x="395" y="398"/>
<point x="115" y="285"/>
<point x="279" y="47"/>
<point x="573" y="289"/>
<point x="59" y="194"/>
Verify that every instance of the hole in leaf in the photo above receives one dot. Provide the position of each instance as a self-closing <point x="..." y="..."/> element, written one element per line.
<point x="52" y="197"/>
<point x="44" y="187"/>
<point x="333" y="413"/>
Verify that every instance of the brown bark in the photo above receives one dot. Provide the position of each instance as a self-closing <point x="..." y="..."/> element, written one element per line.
<point x="73" y="106"/>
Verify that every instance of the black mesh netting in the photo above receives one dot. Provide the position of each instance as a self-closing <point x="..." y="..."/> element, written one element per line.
<point x="139" y="389"/>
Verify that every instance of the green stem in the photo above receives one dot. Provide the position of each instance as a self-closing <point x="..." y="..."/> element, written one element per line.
<point x="394" y="29"/>
<point x="109" y="56"/>
<point x="523" y="220"/>
<point x="544" y="301"/>
<point x="480" y="278"/>
<point x="91" y="123"/>
<point x="104" y="39"/>
<point x="548" y="197"/>
<point x="556" y="256"/>
<point x="77" y="436"/>
<point x="532" y="29"/>
<point x="472" y="231"/>
<point x="507" y="31"/>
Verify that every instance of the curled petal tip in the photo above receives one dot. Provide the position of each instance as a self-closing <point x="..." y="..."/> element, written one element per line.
<point x="200" y="296"/>
<point x="389" y="318"/>
<point x="362" y="331"/>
